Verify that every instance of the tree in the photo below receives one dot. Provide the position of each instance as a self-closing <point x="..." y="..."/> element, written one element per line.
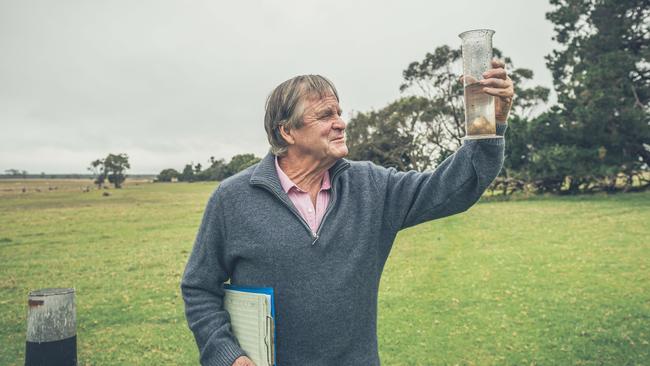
<point x="166" y="175"/>
<point x="99" y="174"/>
<point x="602" y="78"/>
<point x="188" y="173"/>
<point x="392" y="136"/>
<point x="114" y="167"/>
<point x="216" y="171"/>
<point x="423" y="128"/>
<point x="240" y="162"/>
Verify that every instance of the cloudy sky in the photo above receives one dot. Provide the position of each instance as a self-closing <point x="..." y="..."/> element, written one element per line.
<point x="169" y="82"/>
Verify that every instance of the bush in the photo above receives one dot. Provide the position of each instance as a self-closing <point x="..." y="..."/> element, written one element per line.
<point x="166" y="175"/>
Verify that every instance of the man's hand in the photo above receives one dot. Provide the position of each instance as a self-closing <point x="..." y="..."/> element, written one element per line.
<point x="498" y="84"/>
<point x="243" y="361"/>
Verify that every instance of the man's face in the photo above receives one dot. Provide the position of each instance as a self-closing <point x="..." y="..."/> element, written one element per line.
<point x="321" y="135"/>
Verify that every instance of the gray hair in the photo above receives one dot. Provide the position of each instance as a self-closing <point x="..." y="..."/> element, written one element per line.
<point x="285" y="106"/>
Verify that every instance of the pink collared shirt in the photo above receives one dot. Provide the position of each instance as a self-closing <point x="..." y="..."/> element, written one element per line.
<point x="312" y="215"/>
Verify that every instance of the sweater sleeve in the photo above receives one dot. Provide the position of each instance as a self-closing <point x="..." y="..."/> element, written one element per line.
<point x="411" y="198"/>
<point x="202" y="289"/>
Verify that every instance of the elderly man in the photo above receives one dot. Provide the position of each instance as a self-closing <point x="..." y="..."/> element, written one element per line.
<point x="318" y="228"/>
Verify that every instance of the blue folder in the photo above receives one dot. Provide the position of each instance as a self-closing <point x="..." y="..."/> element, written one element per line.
<point x="260" y="290"/>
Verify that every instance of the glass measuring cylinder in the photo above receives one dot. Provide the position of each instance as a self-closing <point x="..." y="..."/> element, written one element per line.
<point x="479" y="107"/>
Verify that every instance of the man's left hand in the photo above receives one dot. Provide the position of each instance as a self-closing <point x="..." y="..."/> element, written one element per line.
<point x="497" y="83"/>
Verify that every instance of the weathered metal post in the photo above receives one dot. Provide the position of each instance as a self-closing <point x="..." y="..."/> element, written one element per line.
<point x="51" y="328"/>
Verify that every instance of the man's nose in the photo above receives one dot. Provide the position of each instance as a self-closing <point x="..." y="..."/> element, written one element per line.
<point x="339" y="124"/>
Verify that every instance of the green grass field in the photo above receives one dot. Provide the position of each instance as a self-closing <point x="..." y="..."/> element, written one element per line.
<point x="544" y="281"/>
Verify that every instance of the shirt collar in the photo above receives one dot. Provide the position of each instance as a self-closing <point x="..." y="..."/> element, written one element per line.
<point x="287" y="183"/>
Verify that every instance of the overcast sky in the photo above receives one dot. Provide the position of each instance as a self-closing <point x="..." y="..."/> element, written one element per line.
<point x="169" y="82"/>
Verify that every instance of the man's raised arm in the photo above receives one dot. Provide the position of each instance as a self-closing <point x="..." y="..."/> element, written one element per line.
<point x="458" y="182"/>
<point x="454" y="186"/>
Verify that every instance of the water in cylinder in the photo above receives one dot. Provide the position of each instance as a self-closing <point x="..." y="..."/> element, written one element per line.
<point x="479" y="107"/>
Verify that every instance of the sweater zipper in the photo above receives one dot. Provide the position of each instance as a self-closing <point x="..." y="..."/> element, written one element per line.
<point x="330" y="205"/>
<point x="329" y="208"/>
<point x="314" y="236"/>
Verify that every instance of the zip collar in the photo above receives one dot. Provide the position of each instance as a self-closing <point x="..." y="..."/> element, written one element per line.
<point x="266" y="175"/>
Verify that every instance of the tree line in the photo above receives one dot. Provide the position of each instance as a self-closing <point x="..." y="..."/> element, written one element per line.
<point x="218" y="169"/>
<point x="16" y="173"/>
<point x="113" y="167"/>
<point x="596" y="135"/>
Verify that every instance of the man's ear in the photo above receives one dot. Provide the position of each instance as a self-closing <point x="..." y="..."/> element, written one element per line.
<point x="286" y="135"/>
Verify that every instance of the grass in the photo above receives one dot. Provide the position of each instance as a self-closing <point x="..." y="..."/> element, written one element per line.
<point x="544" y="281"/>
<point x="10" y="187"/>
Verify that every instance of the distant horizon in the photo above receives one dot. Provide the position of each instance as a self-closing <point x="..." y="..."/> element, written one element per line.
<point x="203" y="165"/>
<point x="58" y="175"/>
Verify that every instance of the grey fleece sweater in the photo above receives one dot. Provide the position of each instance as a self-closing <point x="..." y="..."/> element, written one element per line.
<point x="325" y="285"/>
